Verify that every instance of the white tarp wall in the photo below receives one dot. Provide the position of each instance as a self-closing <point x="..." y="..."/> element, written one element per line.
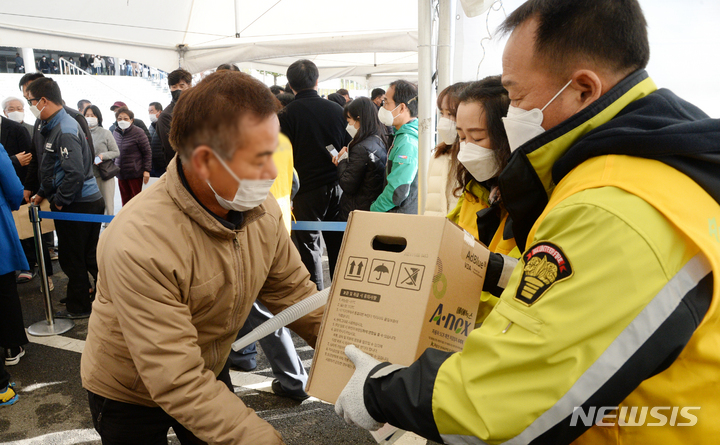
<point x="684" y="37"/>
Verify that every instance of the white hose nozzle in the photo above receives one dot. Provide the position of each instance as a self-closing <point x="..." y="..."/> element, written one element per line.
<point x="284" y="318"/>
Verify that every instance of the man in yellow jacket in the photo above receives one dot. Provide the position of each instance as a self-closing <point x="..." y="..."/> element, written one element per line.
<point x="607" y="332"/>
<point x="179" y="270"/>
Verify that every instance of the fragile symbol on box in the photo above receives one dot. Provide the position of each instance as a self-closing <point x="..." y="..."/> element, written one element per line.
<point x="355" y="269"/>
<point x="381" y="272"/>
<point x="410" y="276"/>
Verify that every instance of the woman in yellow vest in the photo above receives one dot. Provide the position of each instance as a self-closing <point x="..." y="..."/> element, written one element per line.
<point x="484" y="152"/>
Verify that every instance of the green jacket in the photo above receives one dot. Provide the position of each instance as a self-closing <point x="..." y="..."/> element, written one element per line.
<point x="400" y="194"/>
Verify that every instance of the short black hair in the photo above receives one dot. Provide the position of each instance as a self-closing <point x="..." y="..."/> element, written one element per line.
<point x="406" y="93"/>
<point x="377" y="92"/>
<point x="285" y="98"/>
<point x="343" y="92"/>
<point x="157" y="105"/>
<point x="610" y="33"/>
<point x="96" y="112"/>
<point x="303" y="75"/>
<point x="47" y="88"/>
<point x="29" y="77"/>
<point x="337" y="98"/>
<point x="82" y="102"/>
<point x="276" y="89"/>
<point x="288" y="89"/>
<point x="176" y="76"/>
<point x="227" y="66"/>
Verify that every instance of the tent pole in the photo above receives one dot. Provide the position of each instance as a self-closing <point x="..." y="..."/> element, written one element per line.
<point x="425" y="98"/>
<point x="446" y="44"/>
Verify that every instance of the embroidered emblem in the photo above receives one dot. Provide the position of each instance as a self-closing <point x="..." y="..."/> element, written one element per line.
<point x="545" y="265"/>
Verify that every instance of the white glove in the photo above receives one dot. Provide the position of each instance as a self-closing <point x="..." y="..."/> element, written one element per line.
<point x="351" y="403"/>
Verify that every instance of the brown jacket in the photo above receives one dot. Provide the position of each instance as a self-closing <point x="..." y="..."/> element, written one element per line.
<point x="174" y="287"/>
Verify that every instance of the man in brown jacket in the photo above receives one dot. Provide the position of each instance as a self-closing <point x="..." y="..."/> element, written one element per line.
<point x="180" y="268"/>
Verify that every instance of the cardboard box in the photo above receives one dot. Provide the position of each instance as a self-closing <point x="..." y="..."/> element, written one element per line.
<point x="403" y="283"/>
<point x="23" y="224"/>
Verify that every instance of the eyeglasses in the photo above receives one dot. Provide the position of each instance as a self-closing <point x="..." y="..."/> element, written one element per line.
<point x="30" y="101"/>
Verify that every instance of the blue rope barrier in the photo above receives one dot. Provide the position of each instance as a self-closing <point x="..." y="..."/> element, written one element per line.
<point x="82" y="217"/>
<point x="328" y="226"/>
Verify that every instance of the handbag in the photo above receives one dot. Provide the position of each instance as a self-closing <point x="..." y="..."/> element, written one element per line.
<point x="108" y="169"/>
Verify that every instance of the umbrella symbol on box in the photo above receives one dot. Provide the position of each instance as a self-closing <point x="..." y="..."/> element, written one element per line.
<point x="381" y="269"/>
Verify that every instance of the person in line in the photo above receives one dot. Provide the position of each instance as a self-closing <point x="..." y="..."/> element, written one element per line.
<point x="614" y="197"/>
<point x="443" y="165"/>
<point x="12" y="328"/>
<point x="14" y="109"/>
<point x="344" y="94"/>
<point x="179" y="80"/>
<point x="105" y="149"/>
<point x="67" y="182"/>
<point x="135" y="159"/>
<point x="172" y="296"/>
<point x="400" y="110"/>
<point x="82" y="104"/>
<point x="159" y="164"/>
<point x="285" y="98"/>
<point x="361" y="165"/>
<point x="312" y="124"/>
<point x="377" y="96"/>
<point x="33" y="179"/>
<point x="337" y="98"/>
<point x="16" y="141"/>
<point x="44" y="65"/>
<point x="137" y="122"/>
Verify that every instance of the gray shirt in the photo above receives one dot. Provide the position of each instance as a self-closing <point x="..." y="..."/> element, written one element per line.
<point x="105" y="145"/>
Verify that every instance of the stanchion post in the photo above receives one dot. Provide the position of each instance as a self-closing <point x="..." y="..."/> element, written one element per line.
<point x="50" y="326"/>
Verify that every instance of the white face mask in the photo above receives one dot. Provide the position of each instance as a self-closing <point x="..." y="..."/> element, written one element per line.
<point x="92" y="122"/>
<point x="153" y="118"/>
<point x="124" y="125"/>
<point x="386" y="116"/>
<point x="523" y="125"/>
<point x="352" y="131"/>
<point x="34" y="110"/>
<point x="479" y="161"/>
<point x="250" y="193"/>
<point x="17" y="116"/>
<point x="447" y="132"/>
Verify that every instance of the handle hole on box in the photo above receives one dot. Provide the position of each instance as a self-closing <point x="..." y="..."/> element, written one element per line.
<point x="389" y="243"/>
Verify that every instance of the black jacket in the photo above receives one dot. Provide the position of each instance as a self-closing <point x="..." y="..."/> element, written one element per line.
<point x="361" y="176"/>
<point x="312" y="123"/>
<point x="159" y="164"/>
<point x="15" y="139"/>
<point x="163" y="130"/>
<point x="137" y="122"/>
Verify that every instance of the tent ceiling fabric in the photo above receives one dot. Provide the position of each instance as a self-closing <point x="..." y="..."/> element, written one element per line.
<point x="272" y="30"/>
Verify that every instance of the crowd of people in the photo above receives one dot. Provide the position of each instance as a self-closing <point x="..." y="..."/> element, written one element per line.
<point x="591" y="188"/>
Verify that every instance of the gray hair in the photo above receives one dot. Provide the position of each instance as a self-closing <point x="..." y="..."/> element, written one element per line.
<point x="7" y="100"/>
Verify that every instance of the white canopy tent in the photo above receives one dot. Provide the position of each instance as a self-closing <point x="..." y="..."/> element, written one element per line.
<point x="345" y="39"/>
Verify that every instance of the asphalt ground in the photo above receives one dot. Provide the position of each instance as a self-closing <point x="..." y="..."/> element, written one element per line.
<point x="53" y="407"/>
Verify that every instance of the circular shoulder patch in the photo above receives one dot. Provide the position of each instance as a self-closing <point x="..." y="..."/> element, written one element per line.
<point x="545" y="265"/>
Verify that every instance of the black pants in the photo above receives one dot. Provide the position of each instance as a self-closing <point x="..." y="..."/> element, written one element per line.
<point x="12" y="327"/>
<point x="28" y="246"/>
<point x="4" y="375"/>
<point x="77" y="243"/>
<point x="321" y="204"/>
<point x="120" y="423"/>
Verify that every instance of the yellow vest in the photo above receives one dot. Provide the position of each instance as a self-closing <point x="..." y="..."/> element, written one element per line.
<point x="693" y="378"/>
<point x="465" y="212"/>
<point x="282" y="187"/>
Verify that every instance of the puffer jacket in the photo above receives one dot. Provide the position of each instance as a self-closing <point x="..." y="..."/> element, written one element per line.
<point x="361" y="175"/>
<point x="174" y="288"/>
<point x="135" y="154"/>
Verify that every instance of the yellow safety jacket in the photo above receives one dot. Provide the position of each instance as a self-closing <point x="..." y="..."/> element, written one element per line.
<point x="465" y="212"/>
<point x="612" y="308"/>
<point x="282" y="187"/>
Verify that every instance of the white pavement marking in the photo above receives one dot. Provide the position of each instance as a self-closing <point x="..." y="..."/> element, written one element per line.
<point x="32" y="388"/>
<point x="62" y="437"/>
<point x="60" y="342"/>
